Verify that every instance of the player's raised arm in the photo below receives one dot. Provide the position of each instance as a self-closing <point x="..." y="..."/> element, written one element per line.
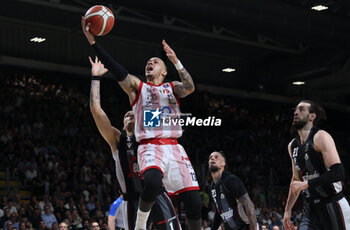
<point x="128" y="82"/>
<point x="186" y="86"/>
<point x="109" y="133"/>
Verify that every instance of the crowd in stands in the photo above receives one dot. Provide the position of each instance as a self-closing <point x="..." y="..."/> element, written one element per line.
<point x="49" y="141"/>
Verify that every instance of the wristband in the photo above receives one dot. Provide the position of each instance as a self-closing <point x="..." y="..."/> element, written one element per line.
<point x="97" y="78"/>
<point x="178" y="65"/>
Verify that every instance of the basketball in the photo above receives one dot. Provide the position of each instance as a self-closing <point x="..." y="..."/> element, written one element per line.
<point x="101" y="20"/>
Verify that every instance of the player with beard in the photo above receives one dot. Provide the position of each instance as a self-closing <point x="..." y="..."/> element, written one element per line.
<point x="317" y="173"/>
<point x="232" y="202"/>
<point x="161" y="158"/>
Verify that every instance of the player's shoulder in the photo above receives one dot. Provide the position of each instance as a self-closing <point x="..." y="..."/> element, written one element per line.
<point x="290" y="144"/>
<point x="228" y="177"/>
<point x="322" y="136"/>
<point x="321" y="133"/>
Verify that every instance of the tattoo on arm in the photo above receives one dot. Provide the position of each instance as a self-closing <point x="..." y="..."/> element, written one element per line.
<point x="95" y="98"/>
<point x="249" y="210"/>
<point x="186" y="86"/>
<point x="186" y="79"/>
<point x="126" y="83"/>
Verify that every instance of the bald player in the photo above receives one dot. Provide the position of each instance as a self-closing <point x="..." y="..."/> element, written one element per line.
<point x="160" y="157"/>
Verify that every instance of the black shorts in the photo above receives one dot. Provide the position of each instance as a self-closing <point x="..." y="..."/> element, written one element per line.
<point x="132" y="207"/>
<point x="162" y="215"/>
<point x="326" y="216"/>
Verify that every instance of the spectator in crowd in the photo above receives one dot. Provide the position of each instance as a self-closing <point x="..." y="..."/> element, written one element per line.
<point x="12" y="222"/>
<point x="48" y="217"/>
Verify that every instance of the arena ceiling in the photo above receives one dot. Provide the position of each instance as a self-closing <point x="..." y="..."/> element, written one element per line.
<point x="270" y="43"/>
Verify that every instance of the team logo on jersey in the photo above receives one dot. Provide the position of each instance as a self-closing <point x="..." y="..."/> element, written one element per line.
<point x="222" y="196"/>
<point x="213" y="193"/>
<point x="129" y="142"/>
<point x="151" y="118"/>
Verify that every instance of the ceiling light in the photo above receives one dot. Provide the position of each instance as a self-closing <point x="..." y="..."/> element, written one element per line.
<point x="228" y="70"/>
<point x="36" y="39"/>
<point x="299" y="83"/>
<point x="319" y="7"/>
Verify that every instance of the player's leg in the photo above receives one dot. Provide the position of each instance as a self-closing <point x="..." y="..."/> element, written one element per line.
<point x="181" y="179"/>
<point x="150" y="163"/>
<point x="193" y="206"/>
<point x="163" y="213"/>
<point x="152" y="186"/>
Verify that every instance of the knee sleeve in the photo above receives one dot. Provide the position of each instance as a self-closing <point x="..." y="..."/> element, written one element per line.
<point x="193" y="204"/>
<point x="152" y="185"/>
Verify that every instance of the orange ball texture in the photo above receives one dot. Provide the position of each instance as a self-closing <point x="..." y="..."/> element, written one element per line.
<point x="101" y="20"/>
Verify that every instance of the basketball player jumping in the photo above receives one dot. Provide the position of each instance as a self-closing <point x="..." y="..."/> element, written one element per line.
<point x="317" y="173"/>
<point x="160" y="157"/>
<point x="124" y="149"/>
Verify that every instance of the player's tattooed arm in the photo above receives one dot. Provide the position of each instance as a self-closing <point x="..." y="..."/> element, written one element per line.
<point x="95" y="98"/>
<point x="249" y="210"/>
<point x="130" y="85"/>
<point x="186" y="86"/>
<point x="109" y="133"/>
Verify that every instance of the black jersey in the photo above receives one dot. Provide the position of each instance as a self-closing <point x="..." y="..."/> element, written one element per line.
<point x="225" y="194"/>
<point x="127" y="169"/>
<point x="310" y="164"/>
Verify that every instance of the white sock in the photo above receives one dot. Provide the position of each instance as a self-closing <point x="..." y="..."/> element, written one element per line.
<point x="141" y="220"/>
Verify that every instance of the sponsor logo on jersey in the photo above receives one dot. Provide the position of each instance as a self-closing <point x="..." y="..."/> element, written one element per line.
<point x="308" y="177"/>
<point x="227" y="215"/>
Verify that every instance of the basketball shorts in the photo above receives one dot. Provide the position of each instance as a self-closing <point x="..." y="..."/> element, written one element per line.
<point x="326" y="216"/>
<point x="172" y="160"/>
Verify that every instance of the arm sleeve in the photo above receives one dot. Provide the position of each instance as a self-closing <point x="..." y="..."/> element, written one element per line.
<point x="235" y="186"/>
<point x="118" y="71"/>
<point x="336" y="173"/>
<point x="115" y="206"/>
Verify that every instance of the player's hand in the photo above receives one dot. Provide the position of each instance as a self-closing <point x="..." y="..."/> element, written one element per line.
<point x="170" y="53"/>
<point x="90" y="37"/>
<point x="297" y="186"/>
<point x="286" y="222"/>
<point x="97" y="68"/>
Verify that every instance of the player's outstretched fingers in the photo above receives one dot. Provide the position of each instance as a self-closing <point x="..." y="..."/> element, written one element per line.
<point x="91" y="62"/>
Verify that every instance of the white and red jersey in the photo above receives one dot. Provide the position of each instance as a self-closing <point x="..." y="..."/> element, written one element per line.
<point x="155" y="109"/>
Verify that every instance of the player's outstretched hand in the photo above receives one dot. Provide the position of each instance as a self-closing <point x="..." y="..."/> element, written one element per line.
<point x="97" y="68"/>
<point x="297" y="186"/>
<point x="286" y="222"/>
<point x="169" y="52"/>
<point x="90" y="37"/>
